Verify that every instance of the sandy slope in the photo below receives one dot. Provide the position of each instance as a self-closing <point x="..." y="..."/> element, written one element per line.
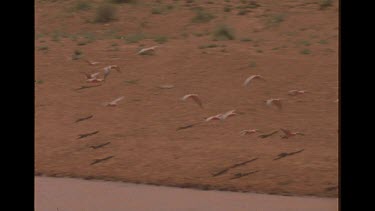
<point x="142" y="129"/>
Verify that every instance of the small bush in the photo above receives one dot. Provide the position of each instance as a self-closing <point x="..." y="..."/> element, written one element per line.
<point x="202" y="16"/>
<point x="246" y="40"/>
<point x="224" y="32"/>
<point x="227" y="9"/>
<point x="134" y="38"/>
<point x="161" y="39"/>
<point x="208" y="46"/>
<point x="325" y="3"/>
<point x="122" y="1"/>
<point x="276" y="19"/>
<point x="77" y="54"/>
<point x="43" y="48"/>
<point x="105" y="13"/>
<point x="305" y="51"/>
<point x="242" y="12"/>
<point x="156" y="10"/>
<point x="82" y="5"/>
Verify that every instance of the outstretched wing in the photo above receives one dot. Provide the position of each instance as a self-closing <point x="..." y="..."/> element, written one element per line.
<point x="107" y="70"/>
<point x="287" y="132"/>
<point x="94" y="75"/>
<point x="118" y="99"/>
<point x="247" y="81"/>
<point x="197" y="100"/>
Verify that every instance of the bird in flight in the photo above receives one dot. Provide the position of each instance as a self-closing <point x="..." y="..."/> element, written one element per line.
<point x="274" y="102"/>
<point x="107" y="70"/>
<point x="92" y="62"/>
<point x="228" y="114"/>
<point x="216" y="117"/>
<point x="114" y="102"/>
<point x="194" y="97"/>
<point x="90" y="76"/>
<point x="249" y="79"/>
<point x="288" y="133"/>
<point x="296" y="92"/>
<point x="146" y="50"/>
<point x="248" y="132"/>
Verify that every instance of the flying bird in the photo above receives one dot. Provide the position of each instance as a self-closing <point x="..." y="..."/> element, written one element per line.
<point x="247" y="81"/>
<point x="146" y="50"/>
<point x="194" y="97"/>
<point x="94" y="80"/>
<point x="228" y="114"/>
<point x="248" y="132"/>
<point x="90" y="76"/>
<point x="114" y="102"/>
<point x="107" y="70"/>
<point x="288" y="133"/>
<point x="274" y="101"/>
<point x="216" y="117"/>
<point x="92" y="62"/>
<point x="296" y="92"/>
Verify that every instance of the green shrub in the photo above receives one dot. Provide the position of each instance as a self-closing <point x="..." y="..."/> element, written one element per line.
<point x="223" y="32"/>
<point x="105" y="13"/>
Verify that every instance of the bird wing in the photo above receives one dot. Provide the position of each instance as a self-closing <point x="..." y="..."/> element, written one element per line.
<point x="94" y="75"/>
<point x="247" y="81"/>
<point x="197" y="100"/>
<point x="88" y="76"/>
<point x="118" y="99"/>
<point x="117" y="68"/>
<point x="107" y="70"/>
<point x="287" y="132"/>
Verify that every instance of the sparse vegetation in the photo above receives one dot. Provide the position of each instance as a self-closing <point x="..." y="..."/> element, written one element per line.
<point x="252" y="64"/>
<point x="276" y="19"/>
<point x="305" y="43"/>
<point x="227" y="9"/>
<point x="134" y="38"/>
<point x="208" y="46"/>
<point x="105" y="13"/>
<point x="161" y="39"/>
<point x="82" y="5"/>
<point x="242" y="12"/>
<point x="323" y="42"/>
<point x="305" y="51"/>
<point x="77" y="54"/>
<point x="39" y="81"/>
<point x="246" y="40"/>
<point x="157" y="10"/>
<point x="202" y="16"/>
<point x="325" y="3"/>
<point x="43" y="48"/>
<point x="122" y="1"/>
<point x="223" y="32"/>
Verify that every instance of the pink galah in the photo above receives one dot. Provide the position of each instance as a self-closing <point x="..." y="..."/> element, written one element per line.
<point x="90" y="76"/>
<point x="249" y="79"/>
<point x="296" y="92"/>
<point x="91" y="62"/>
<point x="274" y="102"/>
<point x="114" y="102"/>
<point x="107" y="70"/>
<point x="248" y="132"/>
<point x="194" y="97"/>
<point x="228" y="114"/>
<point x="146" y="50"/>
<point x="288" y="133"/>
<point x="216" y="117"/>
<point x="94" y="80"/>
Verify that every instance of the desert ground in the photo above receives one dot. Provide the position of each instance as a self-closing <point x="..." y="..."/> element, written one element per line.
<point x="208" y="48"/>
